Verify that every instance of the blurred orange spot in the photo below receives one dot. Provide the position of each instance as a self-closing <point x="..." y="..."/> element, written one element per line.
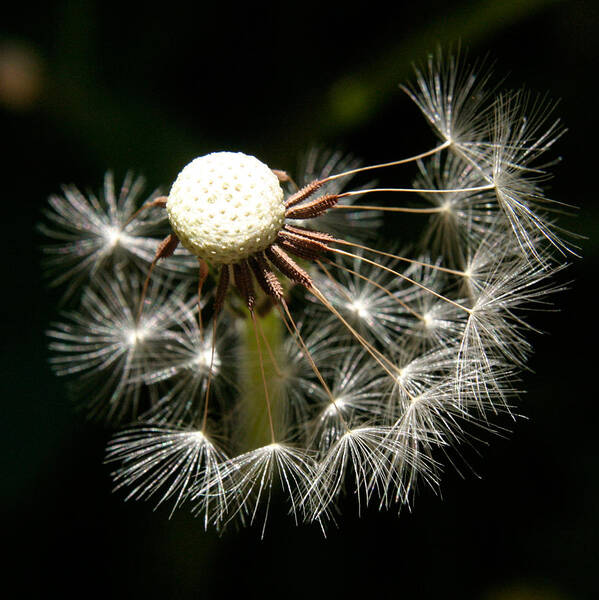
<point x="20" y="75"/>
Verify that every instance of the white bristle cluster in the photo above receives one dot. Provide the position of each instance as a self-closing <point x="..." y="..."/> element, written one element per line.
<point x="226" y="206"/>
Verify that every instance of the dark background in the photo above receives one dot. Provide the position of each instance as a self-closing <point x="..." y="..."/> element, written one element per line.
<point x="86" y="86"/>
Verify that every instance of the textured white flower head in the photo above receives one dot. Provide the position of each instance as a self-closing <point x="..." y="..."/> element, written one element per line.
<point x="226" y="206"/>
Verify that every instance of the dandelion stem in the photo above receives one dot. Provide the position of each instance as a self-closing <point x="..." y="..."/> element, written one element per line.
<point x="265" y="384"/>
<point x="255" y="423"/>
<point x="271" y="355"/>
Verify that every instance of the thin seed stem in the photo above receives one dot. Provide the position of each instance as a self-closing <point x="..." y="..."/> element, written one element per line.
<point x="212" y="344"/>
<point x="401" y="209"/>
<point x="479" y="188"/>
<point x="402" y="258"/>
<point x="203" y="274"/>
<point x="294" y="331"/>
<point x="340" y="288"/>
<point x="161" y="201"/>
<point x="403" y="304"/>
<point x="388" y="164"/>
<point x="405" y="278"/>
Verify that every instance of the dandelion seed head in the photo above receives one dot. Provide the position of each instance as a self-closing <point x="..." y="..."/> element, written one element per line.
<point x="226" y="206"/>
<point x="319" y="355"/>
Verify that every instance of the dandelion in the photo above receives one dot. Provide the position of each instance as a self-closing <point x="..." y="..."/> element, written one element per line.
<point x="313" y="357"/>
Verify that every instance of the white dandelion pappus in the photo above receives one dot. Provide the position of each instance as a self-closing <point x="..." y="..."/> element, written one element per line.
<point x="502" y="141"/>
<point x="246" y="483"/>
<point x="357" y="388"/>
<point x="523" y="132"/>
<point x="428" y="419"/>
<point x="367" y="457"/>
<point x="298" y="383"/>
<point x="181" y="367"/>
<point x="369" y="297"/>
<point x="496" y="328"/>
<point x="166" y="462"/>
<point x="459" y="219"/>
<point x="90" y="233"/>
<point x="106" y="347"/>
<point x="453" y="96"/>
<point x="433" y="322"/>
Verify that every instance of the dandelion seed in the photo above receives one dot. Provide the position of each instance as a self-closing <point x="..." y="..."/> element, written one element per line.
<point x="521" y="136"/>
<point x="428" y="419"/>
<point x="183" y="364"/>
<point x="502" y="285"/>
<point x="453" y="96"/>
<point x="361" y="454"/>
<point x="434" y="322"/>
<point x="92" y="232"/>
<point x="298" y="383"/>
<point x="104" y="349"/>
<point x="369" y="297"/>
<point x="462" y="218"/>
<point x="357" y="389"/>
<point x="505" y="153"/>
<point x="165" y="462"/>
<point x="250" y="478"/>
